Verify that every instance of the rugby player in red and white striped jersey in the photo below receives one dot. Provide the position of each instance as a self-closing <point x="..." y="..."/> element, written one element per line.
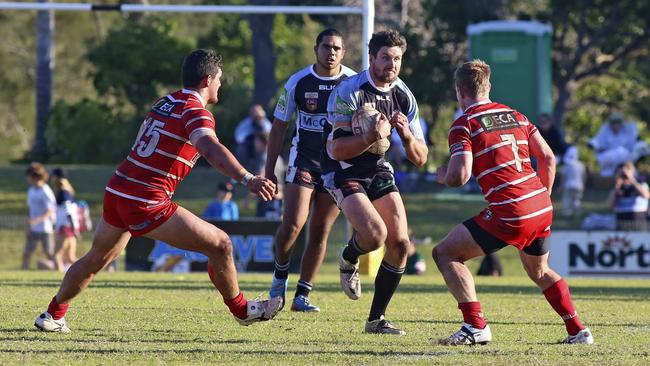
<point x="495" y="143"/>
<point x="137" y="201"/>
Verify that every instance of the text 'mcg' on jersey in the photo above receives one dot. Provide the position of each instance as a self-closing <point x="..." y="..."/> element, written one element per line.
<point x="497" y="138"/>
<point x="357" y="91"/>
<point x="306" y="93"/>
<point x="163" y="152"/>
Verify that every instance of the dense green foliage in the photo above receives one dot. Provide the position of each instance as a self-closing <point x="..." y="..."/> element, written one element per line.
<point x="123" y="62"/>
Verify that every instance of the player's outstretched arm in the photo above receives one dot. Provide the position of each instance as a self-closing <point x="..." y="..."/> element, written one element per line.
<point x="545" y="160"/>
<point x="351" y="146"/>
<point x="225" y="162"/>
<point x="276" y="137"/>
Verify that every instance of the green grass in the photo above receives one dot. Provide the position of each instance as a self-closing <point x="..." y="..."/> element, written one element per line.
<point x="159" y="318"/>
<point x="146" y="318"/>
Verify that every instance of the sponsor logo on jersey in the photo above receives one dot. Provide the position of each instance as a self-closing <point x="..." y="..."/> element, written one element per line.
<point x="498" y="121"/>
<point x="311" y="101"/>
<point x="342" y="107"/>
<point x="282" y="102"/>
<point x="383" y="97"/>
<point x="326" y="87"/>
<point x="164" y="106"/>
<point x="312" y="122"/>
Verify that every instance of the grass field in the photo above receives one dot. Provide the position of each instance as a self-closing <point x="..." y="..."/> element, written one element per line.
<point x="160" y="318"/>
<point x="144" y="318"/>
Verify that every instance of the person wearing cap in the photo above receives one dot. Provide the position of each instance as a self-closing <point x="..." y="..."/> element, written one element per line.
<point x="223" y="208"/>
<point x="616" y="142"/>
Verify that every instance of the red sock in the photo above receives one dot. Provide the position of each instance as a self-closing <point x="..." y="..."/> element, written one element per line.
<point x="57" y="310"/>
<point x="472" y="314"/>
<point x="237" y="306"/>
<point x="559" y="296"/>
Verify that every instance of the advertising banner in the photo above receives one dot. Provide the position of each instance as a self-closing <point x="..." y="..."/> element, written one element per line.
<point x="252" y="242"/>
<point x="600" y="253"/>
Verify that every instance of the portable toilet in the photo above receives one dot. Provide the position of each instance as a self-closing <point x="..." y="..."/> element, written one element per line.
<point x="519" y="54"/>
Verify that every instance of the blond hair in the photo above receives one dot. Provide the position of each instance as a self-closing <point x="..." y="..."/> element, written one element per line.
<point x="473" y="79"/>
<point x="62" y="183"/>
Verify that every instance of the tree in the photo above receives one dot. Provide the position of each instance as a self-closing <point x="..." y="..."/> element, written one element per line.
<point x="44" y="69"/>
<point x="264" y="55"/>
<point x="594" y="38"/>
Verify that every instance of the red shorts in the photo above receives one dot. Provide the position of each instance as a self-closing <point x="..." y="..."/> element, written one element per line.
<point x="66" y="232"/>
<point x="137" y="217"/>
<point x="519" y="233"/>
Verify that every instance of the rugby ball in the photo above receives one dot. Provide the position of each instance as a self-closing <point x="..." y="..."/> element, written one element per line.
<point x="365" y="119"/>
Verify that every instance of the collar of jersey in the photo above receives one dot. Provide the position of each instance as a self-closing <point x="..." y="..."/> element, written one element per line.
<point x="383" y="90"/>
<point x="194" y="93"/>
<point x="480" y="102"/>
<point x="336" y="77"/>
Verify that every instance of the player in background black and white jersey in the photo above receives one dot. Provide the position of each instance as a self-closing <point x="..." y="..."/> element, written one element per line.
<point x="305" y="96"/>
<point x="361" y="182"/>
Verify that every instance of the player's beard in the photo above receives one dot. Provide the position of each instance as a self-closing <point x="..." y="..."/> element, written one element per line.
<point x="384" y="75"/>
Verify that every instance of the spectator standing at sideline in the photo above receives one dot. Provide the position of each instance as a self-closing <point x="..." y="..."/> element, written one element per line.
<point x="246" y="133"/>
<point x="67" y="221"/>
<point x="629" y="199"/>
<point x="223" y="207"/>
<point x="42" y="213"/>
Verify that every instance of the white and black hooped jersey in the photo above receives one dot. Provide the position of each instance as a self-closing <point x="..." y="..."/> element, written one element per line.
<point x="350" y="95"/>
<point x="306" y="93"/>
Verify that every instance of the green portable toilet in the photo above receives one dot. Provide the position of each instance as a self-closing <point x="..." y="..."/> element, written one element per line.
<point x="519" y="54"/>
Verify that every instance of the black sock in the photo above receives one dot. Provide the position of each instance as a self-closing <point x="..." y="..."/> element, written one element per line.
<point x="303" y="288"/>
<point x="388" y="278"/>
<point x="281" y="271"/>
<point x="352" y="251"/>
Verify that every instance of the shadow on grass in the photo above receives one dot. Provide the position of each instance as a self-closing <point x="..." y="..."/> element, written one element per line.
<point x="592" y="292"/>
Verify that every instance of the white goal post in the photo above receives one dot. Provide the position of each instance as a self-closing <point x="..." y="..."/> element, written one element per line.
<point x="366" y="10"/>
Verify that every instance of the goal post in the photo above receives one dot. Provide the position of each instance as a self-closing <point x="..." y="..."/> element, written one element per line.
<point x="366" y="10"/>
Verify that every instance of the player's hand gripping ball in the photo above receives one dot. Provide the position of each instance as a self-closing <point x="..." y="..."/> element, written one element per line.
<point x="367" y="119"/>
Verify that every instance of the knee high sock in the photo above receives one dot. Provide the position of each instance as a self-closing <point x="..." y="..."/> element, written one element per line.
<point x="237" y="305"/>
<point x="386" y="283"/>
<point x="352" y="251"/>
<point x="559" y="296"/>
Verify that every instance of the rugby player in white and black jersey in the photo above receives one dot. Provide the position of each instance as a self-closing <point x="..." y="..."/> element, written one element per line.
<point x="305" y="97"/>
<point x="361" y="182"/>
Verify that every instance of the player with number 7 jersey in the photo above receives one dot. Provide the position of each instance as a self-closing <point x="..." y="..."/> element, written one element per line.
<point x="496" y="136"/>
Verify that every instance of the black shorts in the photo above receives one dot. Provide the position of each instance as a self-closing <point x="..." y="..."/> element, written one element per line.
<point x="305" y="178"/>
<point x="375" y="186"/>
<point x="491" y="244"/>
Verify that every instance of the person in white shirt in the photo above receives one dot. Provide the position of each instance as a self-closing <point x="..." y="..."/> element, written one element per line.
<point x="42" y="213"/>
<point x="573" y="183"/>
<point x="615" y="143"/>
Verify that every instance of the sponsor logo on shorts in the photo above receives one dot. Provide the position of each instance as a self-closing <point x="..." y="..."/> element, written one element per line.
<point x="304" y="177"/>
<point x="147" y="223"/>
<point x="488" y="215"/>
<point x="350" y="187"/>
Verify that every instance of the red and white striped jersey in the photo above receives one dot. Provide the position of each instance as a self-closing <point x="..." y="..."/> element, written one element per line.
<point x="163" y="152"/>
<point x="497" y="138"/>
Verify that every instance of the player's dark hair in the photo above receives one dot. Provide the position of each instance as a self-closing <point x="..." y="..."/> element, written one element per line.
<point x="37" y="171"/>
<point x="329" y="32"/>
<point x="388" y="38"/>
<point x="197" y="65"/>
